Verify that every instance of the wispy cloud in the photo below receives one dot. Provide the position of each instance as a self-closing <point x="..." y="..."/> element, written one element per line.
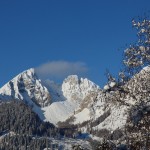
<point x="60" y="69"/>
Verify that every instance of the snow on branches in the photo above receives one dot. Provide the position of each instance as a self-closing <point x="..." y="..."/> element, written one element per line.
<point x="138" y="55"/>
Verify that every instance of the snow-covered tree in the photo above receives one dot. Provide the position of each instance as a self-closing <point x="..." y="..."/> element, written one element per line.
<point x="138" y="54"/>
<point x="132" y="87"/>
<point x="135" y="57"/>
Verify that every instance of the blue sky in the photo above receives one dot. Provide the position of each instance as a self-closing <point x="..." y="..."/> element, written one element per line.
<point x="85" y="34"/>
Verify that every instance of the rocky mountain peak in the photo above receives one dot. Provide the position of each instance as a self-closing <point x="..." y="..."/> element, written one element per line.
<point x="75" y="88"/>
<point x="27" y="86"/>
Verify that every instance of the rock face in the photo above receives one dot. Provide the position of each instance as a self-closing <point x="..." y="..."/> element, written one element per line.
<point x="26" y="86"/>
<point x="77" y="89"/>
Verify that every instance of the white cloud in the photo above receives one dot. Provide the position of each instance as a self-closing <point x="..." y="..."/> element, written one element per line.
<point x="60" y="69"/>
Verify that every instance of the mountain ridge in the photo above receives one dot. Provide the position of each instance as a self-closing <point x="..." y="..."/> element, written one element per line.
<point x="47" y="97"/>
<point x="81" y="104"/>
<point x="76" y="98"/>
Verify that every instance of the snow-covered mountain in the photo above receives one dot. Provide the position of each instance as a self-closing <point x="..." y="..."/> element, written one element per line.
<point x="109" y="110"/>
<point x="77" y="100"/>
<point x="77" y="89"/>
<point x="72" y="96"/>
<point x="51" y="101"/>
<point x="28" y="87"/>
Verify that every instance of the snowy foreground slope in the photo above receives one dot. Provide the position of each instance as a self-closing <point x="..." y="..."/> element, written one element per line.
<point x="76" y="101"/>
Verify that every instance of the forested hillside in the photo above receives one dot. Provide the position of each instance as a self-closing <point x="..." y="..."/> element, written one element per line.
<point x="21" y="127"/>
